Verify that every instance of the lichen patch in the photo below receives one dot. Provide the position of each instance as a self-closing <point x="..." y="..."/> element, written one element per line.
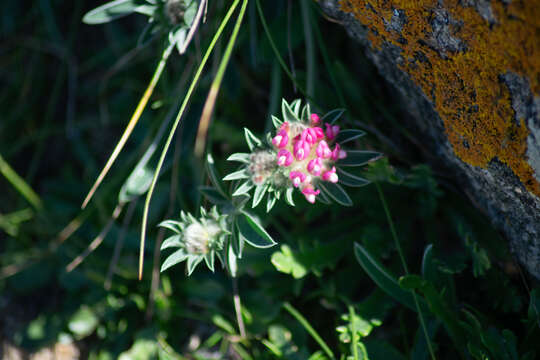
<point x="459" y="54"/>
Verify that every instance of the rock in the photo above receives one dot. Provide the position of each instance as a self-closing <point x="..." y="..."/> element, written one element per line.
<point x="468" y="72"/>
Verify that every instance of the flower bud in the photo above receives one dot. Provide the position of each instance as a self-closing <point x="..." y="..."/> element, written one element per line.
<point x="330" y="175"/>
<point x="297" y="177"/>
<point x="315" y="166"/>
<point x="284" y="158"/>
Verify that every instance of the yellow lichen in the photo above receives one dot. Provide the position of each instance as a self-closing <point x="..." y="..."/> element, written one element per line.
<point x="465" y="86"/>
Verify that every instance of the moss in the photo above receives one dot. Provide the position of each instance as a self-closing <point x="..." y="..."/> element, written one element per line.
<point x="465" y="86"/>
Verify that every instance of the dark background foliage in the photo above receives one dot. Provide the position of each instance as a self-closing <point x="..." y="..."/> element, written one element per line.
<point x="69" y="89"/>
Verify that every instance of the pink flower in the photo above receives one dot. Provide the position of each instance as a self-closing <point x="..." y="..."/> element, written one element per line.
<point x="310" y="193"/>
<point x="284" y="126"/>
<point x="323" y="150"/>
<point x="338" y="153"/>
<point x="330" y="175"/>
<point x="315" y="166"/>
<point x="281" y="139"/>
<point x="297" y="178"/>
<point x="315" y="119"/>
<point x="301" y="149"/>
<point x="331" y="131"/>
<point x="284" y="158"/>
<point x="319" y="132"/>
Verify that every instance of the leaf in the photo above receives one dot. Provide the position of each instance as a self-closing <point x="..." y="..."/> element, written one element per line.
<point x="253" y="232"/>
<point x="240" y="174"/>
<point x="251" y="139"/>
<point x="332" y="116"/>
<point x="83" y="322"/>
<point x="173" y="241"/>
<point x="136" y="184"/>
<point x="176" y="257"/>
<point x="192" y="263"/>
<point x="241" y="157"/>
<point x="306" y="114"/>
<point x="243" y="189"/>
<point x="285" y="262"/>
<point x="178" y="38"/>
<point x="288" y="114"/>
<point x="111" y="11"/>
<point x="288" y="196"/>
<point x="347" y="135"/>
<point x="385" y="281"/>
<point x="276" y="121"/>
<point x="258" y="195"/>
<point x="359" y="157"/>
<point x="171" y="225"/>
<point x="209" y="260"/>
<point x="295" y="107"/>
<point x="336" y="192"/>
<point x="270" y="202"/>
<point x="213" y="174"/>
<point x="351" y="180"/>
<point x="213" y="195"/>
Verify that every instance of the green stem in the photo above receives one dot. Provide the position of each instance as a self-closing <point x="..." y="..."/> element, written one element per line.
<point x="404" y="263"/>
<point x="302" y="320"/>
<point x="19" y="184"/>
<point x="216" y="85"/>
<point x="353" y="332"/>
<point x="175" y="125"/>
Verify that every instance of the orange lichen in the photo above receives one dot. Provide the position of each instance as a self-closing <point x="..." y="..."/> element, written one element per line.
<point x="464" y="85"/>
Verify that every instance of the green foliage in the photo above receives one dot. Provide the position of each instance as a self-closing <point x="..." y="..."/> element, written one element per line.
<point x="311" y="281"/>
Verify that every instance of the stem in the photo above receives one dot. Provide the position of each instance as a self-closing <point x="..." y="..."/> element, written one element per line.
<point x="216" y="85"/>
<point x="19" y="184"/>
<point x="132" y="122"/>
<point x="173" y="130"/>
<point x="353" y="332"/>
<point x="238" y="308"/>
<point x="402" y="257"/>
<point x="302" y="320"/>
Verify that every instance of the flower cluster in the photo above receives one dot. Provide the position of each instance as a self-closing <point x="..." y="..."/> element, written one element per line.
<point x="197" y="239"/>
<point x="305" y="152"/>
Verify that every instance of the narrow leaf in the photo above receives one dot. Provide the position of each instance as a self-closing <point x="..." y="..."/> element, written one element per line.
<point x="240" y="174"/>
<point x="251" y="139"/>
<point x="288" y="114"/>
<point x="288" y="196"/>
<point x="253" y="232"/>
<point x="173" y="241"/>
<point x="192" y="263"/>
<point x="243" y="189"/>
<point x="111" y="11"/>
<point x="241" y="157"/>
<point x="171" y="225"/>
<point x="332" y="116"/>
<point x="258" y="194"/>
<point x="349" y="135"/>
<point x="336" y="193"/>
<point x="213" y="195"/>
<point x="173" y="259"/>
<point x="349" y="179"/>
<point x="276" y="121"/>
<point x="359" y="157"/>
<point x="385" y="281"/>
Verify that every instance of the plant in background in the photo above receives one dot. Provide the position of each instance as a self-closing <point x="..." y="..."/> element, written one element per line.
<point x="306" y="152"/>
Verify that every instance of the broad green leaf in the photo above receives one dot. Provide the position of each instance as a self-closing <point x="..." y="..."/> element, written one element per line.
<point x="347" y="135"/>
<point x="351" y="180"/>
<point x="252" y="141"/>
<point x="242" y="157"/>
<point x="336" y="192"/>
<point x="253" y="232"/>
<point x="136" y="184"/>
<point x="111" y="11"/>
<point x="286" y="262"/>
<point x="332" y="116"/>
<point x="191" y="12"/>
<point x="83" y="322"/>
<point x="359" y="157"/>
<point x="385" y="281"/>
<point x="173" y="241"/>
<point x="288" y="114"/>
<point x="240" y="174"/>
<point x="176" y="257"/>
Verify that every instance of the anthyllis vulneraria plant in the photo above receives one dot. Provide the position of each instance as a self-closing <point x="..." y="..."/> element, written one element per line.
<point x="306" y="152"/>
<point x="196" y="239"/>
